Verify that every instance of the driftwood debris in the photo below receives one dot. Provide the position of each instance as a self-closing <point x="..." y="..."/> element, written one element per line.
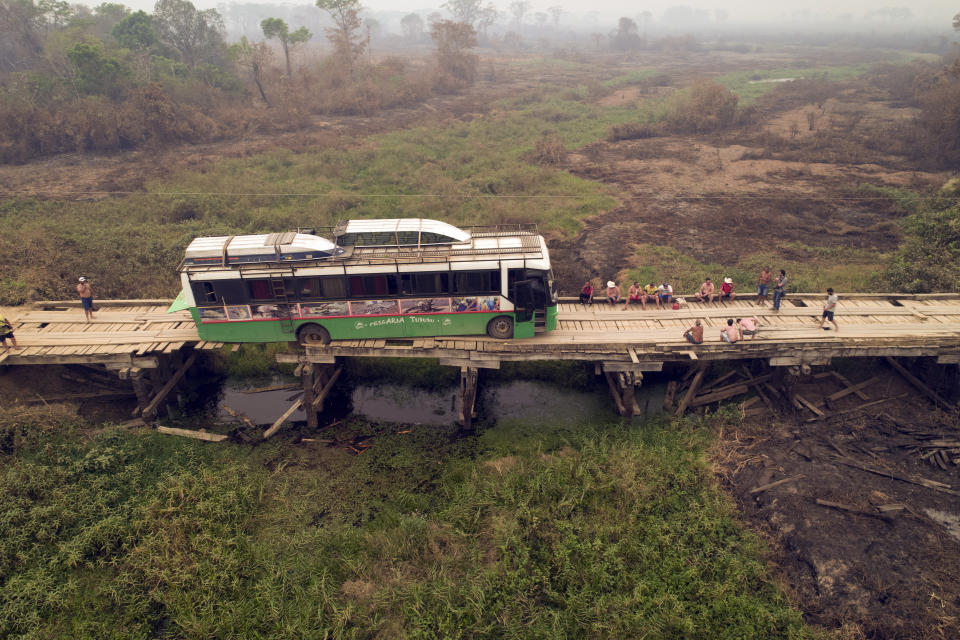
<point x="189" y="433"/>
<point x="922" y="482"/>
<point x="276" y="387"/>
<point x="276" y="425"/>
<point x="236" y="414"/>
<point x="692" y="391"/>
<point x="771" y="485"/>
<point x="848" y="508"/>
<point x="921" y="386"/>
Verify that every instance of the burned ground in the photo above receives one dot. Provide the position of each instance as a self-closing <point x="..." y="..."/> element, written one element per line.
<point x="863" y="526"/>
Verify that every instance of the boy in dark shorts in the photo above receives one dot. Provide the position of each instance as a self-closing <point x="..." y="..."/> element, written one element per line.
<point x="829" y="307"/>
<point x="86" y="298"/>
<point x="6" y="333"/>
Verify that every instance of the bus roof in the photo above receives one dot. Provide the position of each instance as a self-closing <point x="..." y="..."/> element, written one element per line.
<point x="394" y="225"/>
<point x="268" y="247"/>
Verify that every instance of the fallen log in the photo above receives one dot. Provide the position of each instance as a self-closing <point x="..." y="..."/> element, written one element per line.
<point x="920" y="385"/>
<point x="276" y="387"/>
<point x="848" y="508"/>
<point x="856" y="388"/>
<point x="189" y="433"/>
<point x="771" y="485"/>
<point x="717" y="396"/>
<point x="922" y="482"/>
<point x="276" y="425"/>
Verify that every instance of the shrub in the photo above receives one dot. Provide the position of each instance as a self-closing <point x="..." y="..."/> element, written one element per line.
<point x="633" y="131"/>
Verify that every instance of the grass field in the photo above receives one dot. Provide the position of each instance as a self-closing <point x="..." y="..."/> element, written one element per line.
<point x="523" y="531"/>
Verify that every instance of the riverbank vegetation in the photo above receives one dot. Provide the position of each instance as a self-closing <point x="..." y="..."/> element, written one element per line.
<point x="525" y="529"/>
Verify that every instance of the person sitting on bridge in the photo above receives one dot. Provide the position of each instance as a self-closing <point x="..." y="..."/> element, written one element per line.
<point x="664" y="294"/>
<point x="706" y="292"/>
<point x="731" y="333"/>
<point x="613" y="292"/>
<point x="694" y="334"/>
<point x="726" y="290"/>
<point x="749" y="326"/>
<point x="634" y="294"/>
<point x="649" y="295"/>
<point x="586" y="293"/>
<point x="6" y="332"/>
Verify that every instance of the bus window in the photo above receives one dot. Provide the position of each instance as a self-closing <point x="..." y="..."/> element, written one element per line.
<point x="308" y="287"/>
<point x="408" y="238"/>
<point x="373" y="285"/>
<point x="209" y="295"/>
<point x="425" y="283"/>
<point x="476" y="281"/>
<point x="260" y="289"/>
<point x="333" y="288"/>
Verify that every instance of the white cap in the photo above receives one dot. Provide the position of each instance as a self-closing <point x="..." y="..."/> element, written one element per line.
<point x="728" y="280"/>
<point x="82" y="279"/>
<point x="611" y="283"/>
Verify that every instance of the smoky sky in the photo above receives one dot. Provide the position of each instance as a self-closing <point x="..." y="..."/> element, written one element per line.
<point x="866" y="12"/>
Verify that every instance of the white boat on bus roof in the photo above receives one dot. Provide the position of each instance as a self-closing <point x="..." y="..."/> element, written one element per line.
<point x="266" y="247"/>
<point x="398" y="231"/>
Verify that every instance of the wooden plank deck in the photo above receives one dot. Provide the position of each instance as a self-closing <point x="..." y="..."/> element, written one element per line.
<point x="878" y="324"/>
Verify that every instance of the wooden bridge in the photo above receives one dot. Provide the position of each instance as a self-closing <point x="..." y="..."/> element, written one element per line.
<point x="140" y="341"/>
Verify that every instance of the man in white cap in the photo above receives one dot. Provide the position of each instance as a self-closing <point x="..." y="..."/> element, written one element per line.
<point x="86" y="298"/>
<point x="613" y="292"/>
<point x="726" y="290"/>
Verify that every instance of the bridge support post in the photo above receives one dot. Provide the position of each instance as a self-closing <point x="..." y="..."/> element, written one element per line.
<point x="308" y="377"/>
<point x="318" y="380"/>
<point x="143" y="389"/>
<point x="468" y="395"/>
<point x="622" y="385"/>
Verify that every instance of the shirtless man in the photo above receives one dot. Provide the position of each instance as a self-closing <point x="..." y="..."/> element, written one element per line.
<point x="706" y="292"/>
<point x="86" y="298"/>
<point x="731" y="333"/>
<point x="694" y="334"/>
<point x="634" y="294"/>
<point x="613" y="292"/>
<point x="763" y="285"/>
<point x="749" y="326"/>
<point x="6" y="333"/>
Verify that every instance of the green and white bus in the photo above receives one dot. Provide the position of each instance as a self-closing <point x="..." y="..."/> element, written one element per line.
<point x="407" y="277"/>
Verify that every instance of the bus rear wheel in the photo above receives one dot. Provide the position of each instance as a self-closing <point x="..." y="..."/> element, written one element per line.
<point x="312" y="334"/>
<point x="500" y="328"/>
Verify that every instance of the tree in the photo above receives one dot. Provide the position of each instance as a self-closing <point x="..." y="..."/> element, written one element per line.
<point x="412" y="26"/>
<point x="626" y="37"/>
<point x="135" y="31"/>
<point x="541" y="18"/>
<point x="519" y="9"/>
<point x="454" y="42"/>
<point x="252" y="56"/>
<point x="277" y="28"/>
<point x="555" y="12"/>
<point x="956" y="22"/>
<point x="95" y="71"/>
<point x="347" y="43"/>
<point x="196" y="35"/>
<point x="466" y="11"/>
<point x="20" y="40"/>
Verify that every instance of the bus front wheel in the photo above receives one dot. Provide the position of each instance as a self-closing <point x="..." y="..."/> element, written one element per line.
<point x="313" y="334"/>
<point x="500" y="327"/>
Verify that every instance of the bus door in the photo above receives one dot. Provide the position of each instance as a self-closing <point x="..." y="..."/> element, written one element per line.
<point x="524" y="306"/>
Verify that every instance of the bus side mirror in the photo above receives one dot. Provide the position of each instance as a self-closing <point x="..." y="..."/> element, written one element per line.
<point x="523" y="303"/>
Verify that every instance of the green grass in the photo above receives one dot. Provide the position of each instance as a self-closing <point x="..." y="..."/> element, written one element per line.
<point x="744" y="84"/>
<point x="524" y="531"/>
<point x="809" y="269"/>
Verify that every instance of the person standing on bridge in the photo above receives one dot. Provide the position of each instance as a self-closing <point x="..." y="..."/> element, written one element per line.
<point x="86" y="298"/>
<point x="779" y="288"/>
<point x="763" y="285"/>
<point x="6" y="332"/>
<point x="829" y="307"/>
